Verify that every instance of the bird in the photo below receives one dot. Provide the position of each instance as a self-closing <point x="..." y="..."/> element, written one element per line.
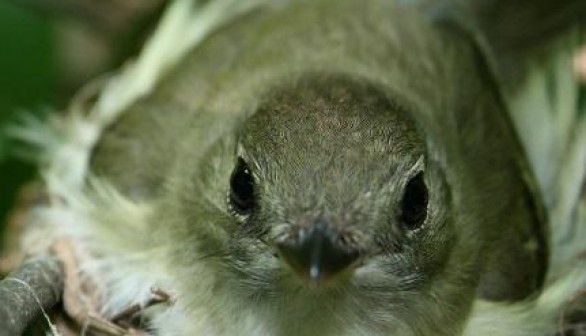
<point x="327" y="168"/>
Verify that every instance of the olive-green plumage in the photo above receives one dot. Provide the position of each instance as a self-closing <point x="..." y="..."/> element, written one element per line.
<point x="335" y="108"/>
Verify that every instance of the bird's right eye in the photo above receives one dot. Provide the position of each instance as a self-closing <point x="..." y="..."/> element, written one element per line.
<point x="242" y="188"/>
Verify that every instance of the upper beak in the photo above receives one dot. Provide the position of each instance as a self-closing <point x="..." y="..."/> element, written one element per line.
<point x="316" y="253"/>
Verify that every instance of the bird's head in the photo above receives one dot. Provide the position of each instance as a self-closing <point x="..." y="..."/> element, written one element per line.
<point x="326" y="194"/>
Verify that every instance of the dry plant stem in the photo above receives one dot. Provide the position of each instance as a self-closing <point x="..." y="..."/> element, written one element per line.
<point x="28" y="291"/>
<point x="162" y="295"/>
<point x="97" y="323"/>
<point x="81" y="302"/>
<point x="79" y="297"/>
<point x="77" y="302"/>
<point x="158" y="296"/>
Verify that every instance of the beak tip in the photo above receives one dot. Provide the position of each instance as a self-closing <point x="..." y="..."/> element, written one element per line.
<point x="314" y="273"/>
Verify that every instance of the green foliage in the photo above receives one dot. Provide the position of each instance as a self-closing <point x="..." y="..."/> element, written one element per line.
<point x="26" y="84"/>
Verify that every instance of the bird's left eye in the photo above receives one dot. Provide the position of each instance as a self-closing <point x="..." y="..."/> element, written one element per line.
<point x="242" y="187"/>
<point x="414" y="202"/>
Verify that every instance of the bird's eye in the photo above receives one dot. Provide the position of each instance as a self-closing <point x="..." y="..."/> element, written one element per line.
<point x="242" y="187"/>
<point x="414" y="203"/>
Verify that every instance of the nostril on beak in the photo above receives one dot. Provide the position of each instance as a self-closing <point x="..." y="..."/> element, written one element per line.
<point x="317" y="254"/>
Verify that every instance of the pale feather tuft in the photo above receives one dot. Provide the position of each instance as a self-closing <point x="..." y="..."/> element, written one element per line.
<point x="101" y="222"/>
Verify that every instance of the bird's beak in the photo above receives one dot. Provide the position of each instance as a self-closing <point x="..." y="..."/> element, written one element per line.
<point x="317" y="253"/>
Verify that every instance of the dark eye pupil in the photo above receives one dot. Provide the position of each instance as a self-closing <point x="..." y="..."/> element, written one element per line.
<point x="414" y="203"/>
<point x="242" y="187"/>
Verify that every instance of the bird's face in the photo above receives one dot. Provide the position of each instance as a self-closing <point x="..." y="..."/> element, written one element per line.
<point x="327" y="195"/>
<point x="332" y="186"/>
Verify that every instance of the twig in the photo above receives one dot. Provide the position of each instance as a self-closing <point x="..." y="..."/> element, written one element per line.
<point x="28" y="292"/>
<point x="162" y="295"/>
<point x="158" y="296"/>
<point x="98" y="323"/>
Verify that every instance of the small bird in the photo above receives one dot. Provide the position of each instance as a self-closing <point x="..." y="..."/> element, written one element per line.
<point x="323" y="168"/>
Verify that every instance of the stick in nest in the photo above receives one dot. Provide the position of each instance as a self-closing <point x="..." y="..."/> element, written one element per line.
<point x="29" y="291"/>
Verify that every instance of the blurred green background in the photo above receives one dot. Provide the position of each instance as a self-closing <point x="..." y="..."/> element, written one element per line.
<point x="27" y="84"/>
<point x="49" y="50"/>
